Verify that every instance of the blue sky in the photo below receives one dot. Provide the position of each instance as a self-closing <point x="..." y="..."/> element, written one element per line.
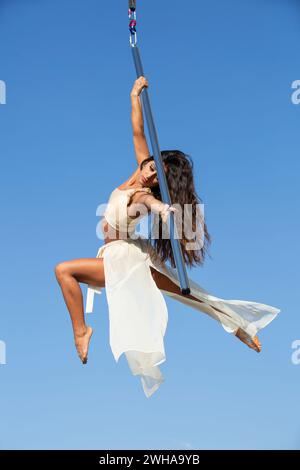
<point x="220" y="76"/>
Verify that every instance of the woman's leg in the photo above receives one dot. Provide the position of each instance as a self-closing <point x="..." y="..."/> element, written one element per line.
<point x="164" y="283"/>
<point x="69" y="274"/>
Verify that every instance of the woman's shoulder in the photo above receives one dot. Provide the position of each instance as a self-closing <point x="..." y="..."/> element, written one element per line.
<point x="130" y="180"/>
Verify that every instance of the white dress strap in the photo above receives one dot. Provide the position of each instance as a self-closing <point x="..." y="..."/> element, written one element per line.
<point x="91" y="291"/>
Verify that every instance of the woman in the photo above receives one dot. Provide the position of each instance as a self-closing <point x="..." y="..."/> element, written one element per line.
<point x="135" y="272"/>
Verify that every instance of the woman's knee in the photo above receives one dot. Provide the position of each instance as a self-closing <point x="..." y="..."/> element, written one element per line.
<point x="85" y="270"/>
<point x="60" y="270"/>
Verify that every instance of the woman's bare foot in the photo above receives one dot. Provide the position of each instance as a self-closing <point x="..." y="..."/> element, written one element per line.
<point x="82" y="344"/>
<point x="253" y="343"/>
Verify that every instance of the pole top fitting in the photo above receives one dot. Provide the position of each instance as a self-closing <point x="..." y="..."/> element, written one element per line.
<point x="132" y="5"/>
<point x="132" y="23"/>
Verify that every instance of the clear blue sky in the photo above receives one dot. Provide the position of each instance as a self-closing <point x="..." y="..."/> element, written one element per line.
<point x="220" y="77"/>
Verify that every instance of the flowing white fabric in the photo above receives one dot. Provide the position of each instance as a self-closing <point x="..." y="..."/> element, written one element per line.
<point x="138" y="314"/>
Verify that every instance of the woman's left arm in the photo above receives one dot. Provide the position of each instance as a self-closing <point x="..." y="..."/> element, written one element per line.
<point x="139" y="138"/>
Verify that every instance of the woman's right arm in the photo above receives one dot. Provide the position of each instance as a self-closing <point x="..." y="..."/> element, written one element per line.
<point x="155" y="205"/>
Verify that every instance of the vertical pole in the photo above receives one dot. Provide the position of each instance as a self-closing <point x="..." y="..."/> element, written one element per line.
<point x="176" y="247"/>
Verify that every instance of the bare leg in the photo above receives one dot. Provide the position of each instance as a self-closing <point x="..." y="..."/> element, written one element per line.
<point x="253" y="343"/>
<point x="164" y="283"/>
<point x="69" y="274"/>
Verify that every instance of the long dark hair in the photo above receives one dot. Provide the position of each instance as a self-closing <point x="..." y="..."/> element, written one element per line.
<point x="180" y="180"/>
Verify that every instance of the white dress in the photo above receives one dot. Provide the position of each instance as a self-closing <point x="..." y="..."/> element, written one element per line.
<point x="138" y="314"/>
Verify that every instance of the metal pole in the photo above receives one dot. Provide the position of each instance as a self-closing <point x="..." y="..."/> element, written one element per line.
<point x="177" y="252"/>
